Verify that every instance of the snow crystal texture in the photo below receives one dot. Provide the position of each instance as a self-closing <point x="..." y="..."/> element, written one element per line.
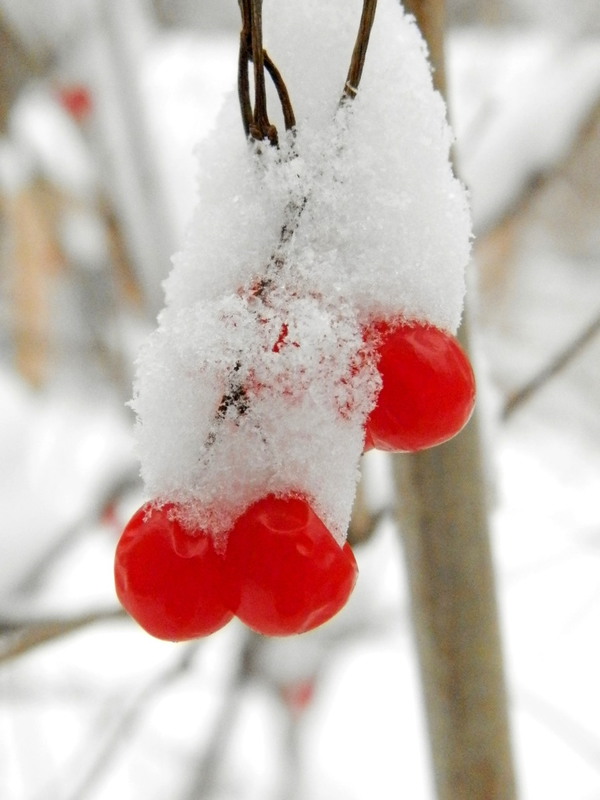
<point x="257" y="379"/>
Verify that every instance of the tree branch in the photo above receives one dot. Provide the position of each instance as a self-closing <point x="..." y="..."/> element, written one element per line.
<point x="106" y="751"/>
<point x="560" y="362"/>
<point x="360" y="50"/>
<point x="537" y="182"/>
<point x="443" y="518"/>
<point x="24" y="636"/>
<point x="243" y="61"/>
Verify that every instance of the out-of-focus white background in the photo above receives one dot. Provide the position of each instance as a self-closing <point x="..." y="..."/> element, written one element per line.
<point x="101" y="105"/>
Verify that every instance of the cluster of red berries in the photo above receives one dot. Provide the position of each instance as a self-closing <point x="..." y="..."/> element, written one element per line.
<point x="282" y="571"/>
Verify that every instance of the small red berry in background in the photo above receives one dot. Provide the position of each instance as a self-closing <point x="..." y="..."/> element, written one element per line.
<point x="76" y="100"/>
<point x="298" y="696"/>
<point x="170" y="581"/>
<point x="428" y="387"/>
<point x="286" y="572"/>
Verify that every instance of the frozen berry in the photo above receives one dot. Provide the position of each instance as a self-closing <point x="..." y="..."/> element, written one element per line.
<point x="169" y="580"/>
<point x="287" y="574"/>
<point x="428" y="387"/>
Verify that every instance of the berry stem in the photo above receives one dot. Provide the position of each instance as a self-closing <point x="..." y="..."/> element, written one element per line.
<point x="261" y="126"/>
<point x="243" y="61"/>
<point x="258" y="127"/>
<point x="360" y="51"/>
<point x="256" y="122"/>
<point x="282" y="92"/>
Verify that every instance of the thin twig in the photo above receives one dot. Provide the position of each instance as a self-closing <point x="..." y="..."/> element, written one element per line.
<point x="114" y="740"/>
<point x="204" y="777"/>
<point x="25" y="636"/>
<point x="562" y="360"/>
<point x="363" y="528"/>
<point x="256" y="122"/>
<point x="261" y="127"/>
<point x="577" y="737"/>
<point x="534" y="184"/>
<point x="243" y="80"/>
<point x="360" y="50"/>
<point x="110" y="496"/>
<point x="289" y="118"/>
<point x="260" y="93"/>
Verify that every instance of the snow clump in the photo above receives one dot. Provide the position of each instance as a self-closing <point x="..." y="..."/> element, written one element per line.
<point x="257" y="379"/>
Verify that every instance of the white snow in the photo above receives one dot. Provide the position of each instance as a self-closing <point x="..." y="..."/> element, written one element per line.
<point x="376" y="226"/>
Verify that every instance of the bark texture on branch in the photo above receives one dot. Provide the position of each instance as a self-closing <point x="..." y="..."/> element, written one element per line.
<point x="443" y="518"/>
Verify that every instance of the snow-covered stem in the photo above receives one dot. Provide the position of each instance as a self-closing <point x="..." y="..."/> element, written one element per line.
<point x="443" y="517"/>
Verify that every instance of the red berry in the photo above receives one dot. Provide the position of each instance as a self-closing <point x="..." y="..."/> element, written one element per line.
<point x="287" y="573"/>
<point x="298" y="696"/>
<point x="76" y="100"/>
<point x="428" y="387"/>
<point x="170" y="581"/>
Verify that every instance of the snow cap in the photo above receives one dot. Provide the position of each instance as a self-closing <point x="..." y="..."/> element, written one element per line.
<point x="257" y="379"/>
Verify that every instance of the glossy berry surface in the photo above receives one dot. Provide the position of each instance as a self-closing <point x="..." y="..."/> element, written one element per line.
<point x="428" y="387"/>
<point x="170" y="581"/>
<point x="286" y="572"/>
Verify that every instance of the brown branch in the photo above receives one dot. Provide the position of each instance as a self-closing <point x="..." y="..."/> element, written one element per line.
<point x="538" y="182"/>
<point x="560" y="362"/>
<point x="364" y="522"/>
<point x="110" y="495"/>
<point x="18" y="66"/>
<point x="256" y="122"/>
<point x="289" y="118"/>
<point x="360" y="50"/>
<point x="24" y="636"/>
<point x="244" y="82"/>
<point x="445" y="530"/>
<point x="261" y="119"/>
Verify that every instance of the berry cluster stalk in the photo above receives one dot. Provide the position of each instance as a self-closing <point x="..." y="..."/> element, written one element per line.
<point x="258" y="127"/>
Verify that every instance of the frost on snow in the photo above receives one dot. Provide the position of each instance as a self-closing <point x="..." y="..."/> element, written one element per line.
<point x="257" y="379"/>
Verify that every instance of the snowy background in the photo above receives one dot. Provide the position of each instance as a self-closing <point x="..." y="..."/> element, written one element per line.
<point x="91" y="210"/>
